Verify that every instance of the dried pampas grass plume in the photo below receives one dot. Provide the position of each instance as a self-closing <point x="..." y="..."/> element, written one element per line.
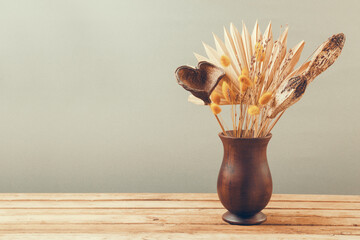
<point x="265" y="98"/>
<point x="215" y="108"/>
<point x="245" y="80"/>
<point x="245" y="72"/>
<point x="225" y="61"/>
<point x="243" y="88"/>
<point x="215" y="98"/>
<point x="253" y="110"/>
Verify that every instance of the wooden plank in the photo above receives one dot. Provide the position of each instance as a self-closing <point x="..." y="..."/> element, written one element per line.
<point x="108" y="196"/>
<point x="172" y="216"/>
<point x="170" y="236"/>
<point x="109" y="204"/>
<point x="180" y="211"/>
<point x="171" y="204"/>
<point x="314" y="205"/>
<point x="315" y="198"/>
<point x="169" y="218"/>
<point x="164" y="196"/>
<point x="176" y="228"/>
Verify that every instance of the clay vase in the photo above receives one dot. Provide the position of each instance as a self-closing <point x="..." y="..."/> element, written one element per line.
<point x="244" y="183"/>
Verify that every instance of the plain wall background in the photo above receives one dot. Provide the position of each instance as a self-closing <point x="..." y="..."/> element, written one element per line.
<point x="89" y="101"/>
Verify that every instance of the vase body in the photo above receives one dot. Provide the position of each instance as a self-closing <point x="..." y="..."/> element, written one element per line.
<point x="244" y="183"/>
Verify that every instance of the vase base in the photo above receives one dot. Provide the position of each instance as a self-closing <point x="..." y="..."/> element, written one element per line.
<point x="237" y="220"/>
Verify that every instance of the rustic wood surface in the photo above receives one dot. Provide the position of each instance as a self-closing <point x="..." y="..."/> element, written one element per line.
<point x="172" y="216"/>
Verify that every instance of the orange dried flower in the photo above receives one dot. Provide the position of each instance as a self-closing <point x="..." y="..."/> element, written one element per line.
<point x="245" y="80"/>
<point x="265" y="98"/>
<point x="253" y="110"/>
<point x="215" y="108"/>
<point x="215" y="97"/>
<point x="225" y="61"/>
<point x="243" y="88"/>
<point x="245" y="72"/>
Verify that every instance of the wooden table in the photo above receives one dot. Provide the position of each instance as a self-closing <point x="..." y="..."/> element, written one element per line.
<point x="172" y="216"/>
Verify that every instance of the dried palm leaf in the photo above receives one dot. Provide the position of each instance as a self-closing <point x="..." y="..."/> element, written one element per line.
<point x="239" y="46"/>
<point x="245" y="35"/>
<point x="222" y="49"/>
<point x="215" y="58"/>
<point x="291" y="60"/>
<point x="256" y="35"/>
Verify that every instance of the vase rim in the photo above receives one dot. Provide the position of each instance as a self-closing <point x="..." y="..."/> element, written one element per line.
<point x="221" y="135"/>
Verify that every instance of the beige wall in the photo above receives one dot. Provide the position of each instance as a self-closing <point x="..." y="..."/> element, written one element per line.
<point x="89" y="101"/>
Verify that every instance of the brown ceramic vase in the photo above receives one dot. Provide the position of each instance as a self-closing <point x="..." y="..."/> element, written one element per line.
<point x="244" y="183"/>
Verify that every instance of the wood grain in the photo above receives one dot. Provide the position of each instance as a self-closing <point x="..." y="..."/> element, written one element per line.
<point x="172" y="216"/>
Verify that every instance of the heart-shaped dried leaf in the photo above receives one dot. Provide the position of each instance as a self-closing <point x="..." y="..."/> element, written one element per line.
<point x="325" y="56"/>
<point x="287" y="94"/>
<point x="200" y="81"/>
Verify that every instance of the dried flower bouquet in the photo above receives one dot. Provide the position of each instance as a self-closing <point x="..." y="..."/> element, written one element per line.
<point x="256" y="75"/>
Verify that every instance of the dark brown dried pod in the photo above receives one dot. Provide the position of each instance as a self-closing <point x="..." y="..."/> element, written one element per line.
<point x="200" y="81"/>
<point x="287" y="94"/>
<point x="325" y="56"/>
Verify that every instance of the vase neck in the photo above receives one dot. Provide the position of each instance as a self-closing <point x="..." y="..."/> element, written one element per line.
<point x="247" y="150"/>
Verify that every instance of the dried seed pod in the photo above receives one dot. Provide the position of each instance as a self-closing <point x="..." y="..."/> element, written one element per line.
<point x="225" y="61"/>
<point x="216" y="109"/>
<point x="253" y="110"/>
<point x="200" y="81"/>
<point x="325" y="56"/>
<point x="265" y="98"/>
<point x="287" y="94"/>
